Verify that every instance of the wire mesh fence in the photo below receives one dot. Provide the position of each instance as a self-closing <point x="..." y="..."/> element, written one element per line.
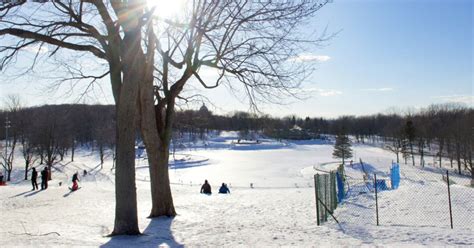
<point x="407" y="196"/>
<point x="430" y="198"/>
<point x="329" y="191"/>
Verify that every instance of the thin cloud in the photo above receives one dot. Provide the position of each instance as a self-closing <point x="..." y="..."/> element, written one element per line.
<point x="308" y="57"/>
<point x="323" y="92"/>
<point x="467" y="99"/>
<point x="378" y="89"/>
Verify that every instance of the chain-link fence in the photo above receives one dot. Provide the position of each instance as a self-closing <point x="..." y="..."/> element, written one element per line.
<point x="406" y="196"/>
<point x="329" y="191"/>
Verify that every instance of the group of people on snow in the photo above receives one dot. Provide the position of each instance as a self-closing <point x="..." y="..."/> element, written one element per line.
<point x="44" y="179"/>
<point x="206" y="188"/>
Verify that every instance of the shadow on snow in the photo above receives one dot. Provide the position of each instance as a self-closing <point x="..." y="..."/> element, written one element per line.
<point x="26" y="193"/>
<point x="157" y="234"/>
<point x="178" y="164"/>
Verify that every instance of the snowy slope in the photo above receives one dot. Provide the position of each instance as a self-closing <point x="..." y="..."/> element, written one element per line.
<point x="278" y="211"/>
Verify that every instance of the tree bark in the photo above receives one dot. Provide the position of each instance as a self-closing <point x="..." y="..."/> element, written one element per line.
<point x="440" y="152"/>
<point x="458" y="156"/>
<point x="27" y="165"/>
<point x="73" y="148"/>
<point x="160" y="186"/>
<point x="9" y="172"/>
<point x="101" y="155"/>
<point x="421" y="150"/>
<point x="126" y="216"/>
<point x="157" y="147"/>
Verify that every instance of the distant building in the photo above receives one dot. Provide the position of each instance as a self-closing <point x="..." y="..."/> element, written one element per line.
<point x="204" y="110"/>
<point x="296" y="128"/>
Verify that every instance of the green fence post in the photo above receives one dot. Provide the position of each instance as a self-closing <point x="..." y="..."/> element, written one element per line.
<point x="316" y="188"/>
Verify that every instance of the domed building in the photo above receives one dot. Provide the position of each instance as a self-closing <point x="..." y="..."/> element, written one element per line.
<point x="204" y="111"/>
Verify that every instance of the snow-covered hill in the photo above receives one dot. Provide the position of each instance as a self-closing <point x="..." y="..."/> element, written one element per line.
<point x="278" y="211"/>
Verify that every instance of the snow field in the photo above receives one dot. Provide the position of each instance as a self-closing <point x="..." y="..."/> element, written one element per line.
<point x="278" y="211"/>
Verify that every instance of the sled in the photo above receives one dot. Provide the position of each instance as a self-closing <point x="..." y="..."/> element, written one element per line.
<point x="72" y="190"/>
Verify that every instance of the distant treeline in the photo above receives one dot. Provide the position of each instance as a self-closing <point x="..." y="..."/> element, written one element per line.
<point x="49" y="132"/>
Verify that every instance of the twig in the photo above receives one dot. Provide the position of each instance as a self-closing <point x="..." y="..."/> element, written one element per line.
<point x="29" y="234"/>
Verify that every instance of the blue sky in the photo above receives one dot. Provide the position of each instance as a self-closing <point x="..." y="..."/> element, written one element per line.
<point x="397" y="53"/>
<point x="400" y="53"/>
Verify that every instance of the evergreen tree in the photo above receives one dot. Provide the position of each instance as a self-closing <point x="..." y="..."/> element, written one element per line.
<point x="342" y="148"/>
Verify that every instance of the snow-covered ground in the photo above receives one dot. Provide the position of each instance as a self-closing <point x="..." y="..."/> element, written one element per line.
<point x="278" y="211"/>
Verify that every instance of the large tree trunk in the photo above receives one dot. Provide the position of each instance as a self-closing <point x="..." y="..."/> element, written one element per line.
<point x="160" y="186"/>
<point x="157" y="140"/>
<point x="126" y="216"/>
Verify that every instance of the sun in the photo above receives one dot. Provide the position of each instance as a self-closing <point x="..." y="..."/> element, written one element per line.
<point x="167" y="9"/>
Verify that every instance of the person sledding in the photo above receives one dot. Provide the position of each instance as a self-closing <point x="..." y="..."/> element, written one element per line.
<point x="75" y="185"/>
<point x="224" y="189"/>
<point x="206" y="188"/>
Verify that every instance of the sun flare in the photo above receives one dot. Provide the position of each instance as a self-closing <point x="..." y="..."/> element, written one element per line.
<point x="167" y="8"/>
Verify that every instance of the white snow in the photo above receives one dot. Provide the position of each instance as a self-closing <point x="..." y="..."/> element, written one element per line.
<point x="278" y="211"/>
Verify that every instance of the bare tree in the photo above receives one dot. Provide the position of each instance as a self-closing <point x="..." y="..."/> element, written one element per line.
<point x="104" y="132"/>
<point x="410" y="134"/>
<point x="46" y="136"/>
<point x="13" y="107"/>
<point x="254" y="43"/>
<point x="26" y="127"/>
<point x="107" y="30"/>
<point x="150" y="60"/>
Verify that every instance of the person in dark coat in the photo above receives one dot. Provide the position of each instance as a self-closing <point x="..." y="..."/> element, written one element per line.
<point x="224" y="189"/>
<point x="34" y="176"/>
<point x="75" y="179"/>
<point x="44" y="178"/>
<point x="206" y="188"/>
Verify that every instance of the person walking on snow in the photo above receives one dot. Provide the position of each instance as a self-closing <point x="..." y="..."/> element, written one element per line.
<point x="224" y="189"/>
<point x="206" y="188"/>
<point x="44" y="178"/>
<point x="75" y="179"/>
<point x="34" y="176"/>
